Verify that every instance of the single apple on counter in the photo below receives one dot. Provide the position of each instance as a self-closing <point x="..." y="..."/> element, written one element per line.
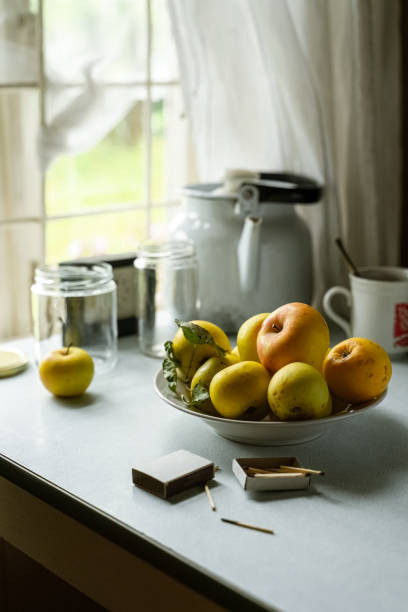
<point x="67" y="371"/>
<point x="293" y="332"/>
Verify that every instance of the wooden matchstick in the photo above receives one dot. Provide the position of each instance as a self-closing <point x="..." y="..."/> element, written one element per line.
<point x="301" y="470"/>
<point x="252" y="470"/>
<point x="280" y="475"/>
<point x="254" y="527"/>
<point x="273" y="472"/>
<point x="210" y="499"/>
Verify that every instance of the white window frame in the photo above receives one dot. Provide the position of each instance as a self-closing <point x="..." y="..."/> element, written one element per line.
<point x="148" y="84"/>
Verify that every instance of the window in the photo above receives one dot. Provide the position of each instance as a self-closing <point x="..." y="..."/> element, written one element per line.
<point x="117" y="169"/>
<point x="125" y="187"/>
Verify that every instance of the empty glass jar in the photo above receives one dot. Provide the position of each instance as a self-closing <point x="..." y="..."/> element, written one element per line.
<point x="76" y="305"/>
<point x="167" y="289"/>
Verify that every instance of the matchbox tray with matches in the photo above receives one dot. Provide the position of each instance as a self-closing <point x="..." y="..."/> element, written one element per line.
<point x="272" y="473"/>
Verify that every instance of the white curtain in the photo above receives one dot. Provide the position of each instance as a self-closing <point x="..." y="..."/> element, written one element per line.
<point x="310" y="86"/>
<point x="87" y="46"/>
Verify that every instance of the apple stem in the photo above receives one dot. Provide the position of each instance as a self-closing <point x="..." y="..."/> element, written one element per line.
<point x="68" y="347"/>
<point x="276" y="328"/>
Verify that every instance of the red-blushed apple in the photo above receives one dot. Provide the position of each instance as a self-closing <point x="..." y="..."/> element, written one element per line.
<point x="67" y="372"/>
<point x="357" y="370"/>
<point x="293" y="332"/>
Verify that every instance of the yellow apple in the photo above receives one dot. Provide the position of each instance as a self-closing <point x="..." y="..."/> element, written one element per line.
<point x="247" y="336"/>
<point x="357" y="370"/>
<point x="211" y="367"/>
<point x="298" y="392"/>
<point x="293" y="332"/>
<point x="235" y="351"/>
<point x="192" y="356"/>
<point x="67" y="372"/>
<point x="206" y="373"/>
<point x="239" y="387"/>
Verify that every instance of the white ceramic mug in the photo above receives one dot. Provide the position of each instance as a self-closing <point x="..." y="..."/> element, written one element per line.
<point x="379" y="307"/>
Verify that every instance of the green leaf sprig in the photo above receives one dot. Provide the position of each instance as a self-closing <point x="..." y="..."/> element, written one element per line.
<point x="196" y="334"/>
<point x="199" y="396"/>
<point x="169" y="366"/>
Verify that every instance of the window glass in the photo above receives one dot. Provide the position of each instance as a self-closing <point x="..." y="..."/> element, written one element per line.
<point x="160" y="219"/>
<point x="94" y="235"/>
<point x="18" y="41"/>
<point x="164" y="60"/>
<point x="20" y="245"/>
<point x="20" y="179"/>
<point x="171" y="165"/>
<point x="78" y="33"/>
<point x="110" y="174"/>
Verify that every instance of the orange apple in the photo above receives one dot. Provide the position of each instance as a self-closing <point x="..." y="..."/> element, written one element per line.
<point x="357" y="370"/>
<point x="293" y="332"/>
<point x="67" y="372"/>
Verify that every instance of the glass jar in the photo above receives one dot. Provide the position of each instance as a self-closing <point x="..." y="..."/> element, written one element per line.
<point x="76" y="305"/>
<point x="167" y="289"/>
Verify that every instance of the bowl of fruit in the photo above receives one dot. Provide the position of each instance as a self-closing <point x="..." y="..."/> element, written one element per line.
<point x="282" y="384"/>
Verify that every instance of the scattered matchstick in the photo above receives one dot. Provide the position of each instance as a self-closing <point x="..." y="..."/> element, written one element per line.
<point x="254" y="527"/>
<point x="210" y="499"/>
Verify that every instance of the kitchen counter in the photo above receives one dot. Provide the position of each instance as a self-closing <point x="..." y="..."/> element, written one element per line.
<point x="340" y="545"/>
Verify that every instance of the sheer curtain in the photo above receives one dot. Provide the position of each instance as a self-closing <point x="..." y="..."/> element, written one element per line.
<point x="94" y="60"/>
<point x="311" y="86"/>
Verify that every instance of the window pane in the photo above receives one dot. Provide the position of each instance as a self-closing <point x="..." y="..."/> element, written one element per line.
<point x="171" y="166"/>
<point x="111" y="174"/>
<point x="108" y="37"/>
<point x="20" y="252"/>
<point x="18" y="36"/>
<point x="164" y="59"/>
<point x="158" y="145"/>
<point x="20" y="179"/>
<point x="160" y="219"/>
<point x="94" y="235"/>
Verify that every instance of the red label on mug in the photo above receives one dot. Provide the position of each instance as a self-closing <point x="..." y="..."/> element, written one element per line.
<point x="401" y="325"/>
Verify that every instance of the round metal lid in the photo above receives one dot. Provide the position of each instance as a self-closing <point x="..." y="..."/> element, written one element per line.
<point x="12" y="361"/>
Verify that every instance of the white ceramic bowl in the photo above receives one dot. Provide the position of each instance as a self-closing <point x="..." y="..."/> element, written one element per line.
<point x="266" y="432"/>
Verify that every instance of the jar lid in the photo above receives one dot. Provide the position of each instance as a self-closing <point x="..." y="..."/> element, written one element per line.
<point x="12" y="361"/>
<point x="168" y="249"/>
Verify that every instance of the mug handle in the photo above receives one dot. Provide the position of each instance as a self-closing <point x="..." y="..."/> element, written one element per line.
<point x="327" y="298"/>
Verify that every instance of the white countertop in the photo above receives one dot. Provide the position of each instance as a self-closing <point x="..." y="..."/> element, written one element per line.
<point x="341" y="545"/>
